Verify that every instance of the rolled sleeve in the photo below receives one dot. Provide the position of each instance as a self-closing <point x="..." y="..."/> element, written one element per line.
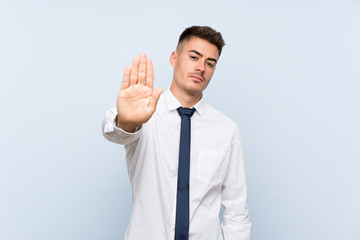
<point x="117" y="135"/>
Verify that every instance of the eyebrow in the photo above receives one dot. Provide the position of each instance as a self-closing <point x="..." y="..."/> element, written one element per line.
<point x="197" y="53"/>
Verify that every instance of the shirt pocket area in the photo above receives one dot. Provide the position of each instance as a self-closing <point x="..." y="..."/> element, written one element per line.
<point x="211" y="165"/>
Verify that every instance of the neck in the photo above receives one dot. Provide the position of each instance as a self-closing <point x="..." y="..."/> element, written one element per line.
<point x="186" y="100"/>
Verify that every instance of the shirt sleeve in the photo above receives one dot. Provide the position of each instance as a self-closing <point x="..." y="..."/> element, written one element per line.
<point x="236" y="224"/>
<point x="115" y="134"/>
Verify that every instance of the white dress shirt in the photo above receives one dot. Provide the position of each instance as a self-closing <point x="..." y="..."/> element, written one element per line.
<point x="217" y="173"/>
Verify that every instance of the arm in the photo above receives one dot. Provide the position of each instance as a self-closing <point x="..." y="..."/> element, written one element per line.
<point x="117" y="135"/>
<point x="236" y="224"/>
<point x="136" y="102"/>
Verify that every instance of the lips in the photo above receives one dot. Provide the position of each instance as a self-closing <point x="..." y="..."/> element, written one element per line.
<point x="197" y="77"/>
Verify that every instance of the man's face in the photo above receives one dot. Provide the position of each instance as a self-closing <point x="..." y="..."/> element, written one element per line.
<point x="194" y="63"/>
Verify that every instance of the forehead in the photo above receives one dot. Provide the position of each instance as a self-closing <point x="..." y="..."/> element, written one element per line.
<point x="202" y="46"/>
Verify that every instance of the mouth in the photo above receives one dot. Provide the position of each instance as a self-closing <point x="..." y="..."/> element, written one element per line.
<point x="197" y="78"/>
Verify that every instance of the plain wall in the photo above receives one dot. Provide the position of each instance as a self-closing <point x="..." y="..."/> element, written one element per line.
<point x="288" y="75"/>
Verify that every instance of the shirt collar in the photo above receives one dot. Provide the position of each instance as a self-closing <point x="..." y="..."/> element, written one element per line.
<point x="172" y="103"/>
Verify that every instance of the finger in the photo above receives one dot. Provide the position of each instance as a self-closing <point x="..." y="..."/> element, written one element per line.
<point x="134" y="70"/>
<point x="126" y="78"/>
<point x="149" y="74"/>
<point x="155" y="98"/>
<point x="142" y="69"/>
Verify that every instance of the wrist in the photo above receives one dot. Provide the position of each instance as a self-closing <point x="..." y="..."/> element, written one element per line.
<point x="128" y="127"/>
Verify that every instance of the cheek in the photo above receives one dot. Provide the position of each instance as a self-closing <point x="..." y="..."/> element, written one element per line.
<point x="188" y="66"/>
<point x="210" y="74"/>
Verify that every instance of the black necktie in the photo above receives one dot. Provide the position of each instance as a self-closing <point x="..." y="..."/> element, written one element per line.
<point x="182" y="200"/>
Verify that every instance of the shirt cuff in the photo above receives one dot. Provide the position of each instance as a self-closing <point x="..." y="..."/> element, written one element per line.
<point x="122" y="131"/>
<point x="112" y="133"/>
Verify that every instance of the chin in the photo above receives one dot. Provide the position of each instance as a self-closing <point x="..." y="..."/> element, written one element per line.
<point x="194" y="91"/>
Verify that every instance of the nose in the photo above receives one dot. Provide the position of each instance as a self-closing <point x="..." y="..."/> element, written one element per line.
<point x="200" y="67"/>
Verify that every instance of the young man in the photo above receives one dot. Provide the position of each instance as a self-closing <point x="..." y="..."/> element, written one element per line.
<point x="184" y="158"/>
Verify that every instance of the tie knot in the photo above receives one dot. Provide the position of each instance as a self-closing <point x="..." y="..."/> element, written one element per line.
<point x="186" y="111"/>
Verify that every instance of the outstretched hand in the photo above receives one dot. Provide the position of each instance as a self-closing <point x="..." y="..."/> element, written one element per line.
<point x="136" y="100"/>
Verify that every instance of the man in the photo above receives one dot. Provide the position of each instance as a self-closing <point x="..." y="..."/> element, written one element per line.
<point x="180" y="182"/>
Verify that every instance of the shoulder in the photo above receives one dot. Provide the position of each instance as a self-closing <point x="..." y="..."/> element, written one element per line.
<point x="219" y="118"/>
<point x="220" y="124"/>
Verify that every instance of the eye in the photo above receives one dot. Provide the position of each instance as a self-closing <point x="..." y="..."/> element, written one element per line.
<point x="193" y="57"/>
<point x="210" y="64"/>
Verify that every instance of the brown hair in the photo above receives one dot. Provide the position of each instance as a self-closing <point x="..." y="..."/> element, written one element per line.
<point x="203" y="32"/>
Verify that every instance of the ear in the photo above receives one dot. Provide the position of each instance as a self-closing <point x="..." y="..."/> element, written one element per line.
<point x="173" y="58"/>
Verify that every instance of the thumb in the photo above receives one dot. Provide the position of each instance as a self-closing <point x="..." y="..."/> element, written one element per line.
<point x="155" y="98"/>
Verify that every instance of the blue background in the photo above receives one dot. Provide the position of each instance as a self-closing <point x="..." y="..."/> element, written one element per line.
<point x="289" y="76"/>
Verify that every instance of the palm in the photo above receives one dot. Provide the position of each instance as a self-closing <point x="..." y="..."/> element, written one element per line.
<point x="136" y="101"/>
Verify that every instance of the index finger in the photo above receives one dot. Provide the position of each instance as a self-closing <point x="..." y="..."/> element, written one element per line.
<point x="149" y="74"/>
